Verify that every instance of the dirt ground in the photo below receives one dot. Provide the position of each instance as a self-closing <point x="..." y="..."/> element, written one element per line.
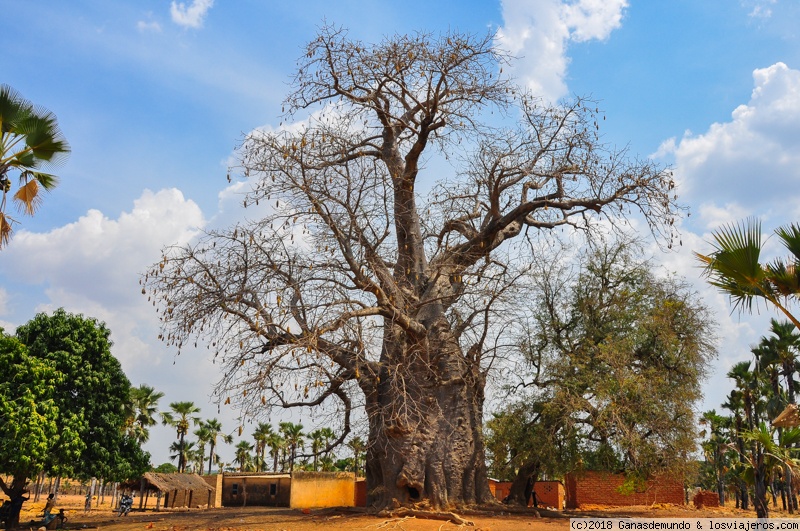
<point x="281" y="519"/>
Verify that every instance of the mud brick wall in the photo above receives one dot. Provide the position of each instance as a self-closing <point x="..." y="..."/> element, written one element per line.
<point x="322" y="489"/>
<point x="601" y="488"/>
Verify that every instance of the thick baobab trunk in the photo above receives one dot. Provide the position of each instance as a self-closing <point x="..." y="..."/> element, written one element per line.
<point x="425" y="415"/>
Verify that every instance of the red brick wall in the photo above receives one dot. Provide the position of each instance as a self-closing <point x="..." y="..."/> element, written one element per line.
<point x="600" y="488"/>
<point x="705" y="498"/>
<point x="548" y="493"/>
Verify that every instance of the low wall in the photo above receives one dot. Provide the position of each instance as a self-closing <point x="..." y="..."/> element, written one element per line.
<point x="705" y="498"/>
<point x="601" y="488"/>
<point x="548" y="493"/>
<point x="322" y="489"/>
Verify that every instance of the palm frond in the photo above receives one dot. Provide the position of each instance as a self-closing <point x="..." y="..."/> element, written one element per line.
<point x="13" y="108"/>
<point x="785" y="278"/>
<point x="5" y="229"/>
<point x="790" y="237"/>
<point x="734" y="266"/>
<point x="28" y="197"/>
<point x="44" y="138"/>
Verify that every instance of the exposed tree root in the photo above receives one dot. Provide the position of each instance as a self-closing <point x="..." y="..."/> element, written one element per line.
<point x="402" y="512"/>
<point x="494" y="509"/>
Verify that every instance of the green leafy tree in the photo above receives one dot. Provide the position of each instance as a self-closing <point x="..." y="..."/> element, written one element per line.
<point x="735" y="267"/>
<point x="529" y="438"/>
<point x="785" y="343"/>
<point x="328" y="439"/>
<point x="166" y="468"/>
<point x="615" y="357"/>
<point x="776" y="356"/>
<point x="83" y="392"/>
<point x="345" y="465"/>
<point x="30" y="140"/>
<point x="181" y="416"/>
<point x="29" y="429"/>
<point x="92" y="398"/>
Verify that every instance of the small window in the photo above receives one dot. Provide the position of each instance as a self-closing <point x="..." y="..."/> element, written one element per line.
<point x="235" y="489"/>
<point x="273" y="489"/>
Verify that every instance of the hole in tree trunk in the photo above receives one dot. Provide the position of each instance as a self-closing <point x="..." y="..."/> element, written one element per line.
<point x="413" y="494"/>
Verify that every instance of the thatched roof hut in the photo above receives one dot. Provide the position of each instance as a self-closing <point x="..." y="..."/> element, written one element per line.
<point x="180" y="490"/>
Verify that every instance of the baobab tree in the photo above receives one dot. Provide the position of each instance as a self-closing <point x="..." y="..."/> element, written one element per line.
<point x="353" y="289"/>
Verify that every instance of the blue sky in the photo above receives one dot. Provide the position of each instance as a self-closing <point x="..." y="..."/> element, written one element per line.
<point x="154" y="96"/>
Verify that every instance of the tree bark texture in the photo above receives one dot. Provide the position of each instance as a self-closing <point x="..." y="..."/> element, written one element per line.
<point x="523" y="483"/>
<point x="16" y="493"/>
<point x="425" y="421"/>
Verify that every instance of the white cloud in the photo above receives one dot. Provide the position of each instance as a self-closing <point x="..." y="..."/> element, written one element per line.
<point x="539" y="31"/>
<point x="92" y="266"/>
<point x="190" y="16"/>
<point x="715" y="216"/>
<point x="750" y="164"/>
<point x="759" y="8"/>
<point x="747" y="166"/>
<point x="145" y="26"/>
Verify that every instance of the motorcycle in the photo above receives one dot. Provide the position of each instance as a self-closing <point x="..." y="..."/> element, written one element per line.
<point x="125" y="504"/>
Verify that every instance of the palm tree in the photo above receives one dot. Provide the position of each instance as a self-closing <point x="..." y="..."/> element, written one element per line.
<point x="203" y="435"/>
<point x="328" y="435"/>
<point x="735" y="269"/>
<point x="180" y="417"/>
<point x="261" y="436"/>
<point x="768" y="456"/>
<point x="143" y="409"/>
<point x="327" y="464"/>
<point x="785" y="344"/>
<point x="780" y="350"/>
<point x="316" y="444"/>
<point x="293" y="433"/>
<point x="358" y="447"/>
<point x="745" y="382"/>
<point x="181" y="451"/>
<point x="276" y="445"/>
<point x="715" y="448"/>
<point x="214" y="428"/>
<point x="242" y="456"/>
<point x="30" y="140"/>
